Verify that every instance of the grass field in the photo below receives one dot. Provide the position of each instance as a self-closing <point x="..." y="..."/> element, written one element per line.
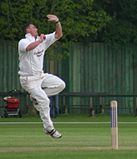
<point x="83" y="137"/>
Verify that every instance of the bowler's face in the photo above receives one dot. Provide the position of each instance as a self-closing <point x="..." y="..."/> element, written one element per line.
<point x="32" y="29"/>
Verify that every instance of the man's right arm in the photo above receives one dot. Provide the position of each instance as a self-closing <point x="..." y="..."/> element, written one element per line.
<point x="33" y="45"/>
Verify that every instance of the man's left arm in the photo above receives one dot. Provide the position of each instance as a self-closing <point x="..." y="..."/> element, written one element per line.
<point x="58" y="32"/>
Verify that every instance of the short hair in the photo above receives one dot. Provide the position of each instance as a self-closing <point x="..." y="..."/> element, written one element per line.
<point x="26" y="25"/>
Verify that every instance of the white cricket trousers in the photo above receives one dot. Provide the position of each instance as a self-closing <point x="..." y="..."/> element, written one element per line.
<point x="40" y="87"/>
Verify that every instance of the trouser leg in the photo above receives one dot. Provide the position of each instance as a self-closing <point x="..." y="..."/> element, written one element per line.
<point x="34" y="89"/>
<point x="52" y="85"/>
<point x="43" y="107"/>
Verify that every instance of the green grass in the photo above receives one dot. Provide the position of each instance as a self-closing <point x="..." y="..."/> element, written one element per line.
<point x="79" y="141"/>
<point x="72" y="118"/>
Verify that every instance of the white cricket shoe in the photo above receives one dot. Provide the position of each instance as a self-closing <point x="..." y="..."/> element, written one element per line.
<point x="54" y="133"/>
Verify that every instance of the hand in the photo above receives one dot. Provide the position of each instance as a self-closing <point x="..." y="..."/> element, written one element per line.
<point x="42" y="37"/>
<point x="52" y="18"/>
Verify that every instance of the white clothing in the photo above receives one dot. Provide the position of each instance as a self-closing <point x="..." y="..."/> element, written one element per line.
<point x="38" y="84"/>
<point x="31" y="62"/>
<point x="51" y="85"/>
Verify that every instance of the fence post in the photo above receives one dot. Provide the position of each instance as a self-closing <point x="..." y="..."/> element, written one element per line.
<point x="101" y="105"/>
<point x="64" y="104"/>
<point x="91" y="109"/>
<point x="136" y="107"/>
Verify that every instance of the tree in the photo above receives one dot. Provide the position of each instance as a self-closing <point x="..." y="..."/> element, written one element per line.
<point x="122" y="28"/>
<point x="79" y="18"/>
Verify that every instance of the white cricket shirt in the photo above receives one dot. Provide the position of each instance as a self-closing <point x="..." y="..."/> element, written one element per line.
<point x="31" y="62"/>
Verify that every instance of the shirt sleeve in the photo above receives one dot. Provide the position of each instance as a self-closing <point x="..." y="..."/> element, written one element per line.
<point x="50" y="39"/>
<point x="22" y="45"/>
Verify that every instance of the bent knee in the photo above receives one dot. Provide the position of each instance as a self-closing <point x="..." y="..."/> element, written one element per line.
<point x="62" y="85"/>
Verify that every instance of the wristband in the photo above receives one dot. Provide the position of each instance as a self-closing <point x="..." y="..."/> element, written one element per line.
<point x="57" y="21"/>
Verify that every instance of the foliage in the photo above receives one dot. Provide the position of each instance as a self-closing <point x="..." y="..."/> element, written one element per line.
<point x="80" y="20"/>
<point x="122" y="29"/>
<point x="83" y="21"/>
<point x="88" y="20"/>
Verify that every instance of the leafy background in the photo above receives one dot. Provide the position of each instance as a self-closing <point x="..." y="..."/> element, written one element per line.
<point x="108" y="21"/>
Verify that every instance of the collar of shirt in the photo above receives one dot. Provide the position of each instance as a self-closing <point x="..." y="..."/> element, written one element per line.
<point x="30" y="37"/>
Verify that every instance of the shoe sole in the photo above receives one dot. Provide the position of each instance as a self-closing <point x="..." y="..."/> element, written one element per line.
<point x="51" y="134"/>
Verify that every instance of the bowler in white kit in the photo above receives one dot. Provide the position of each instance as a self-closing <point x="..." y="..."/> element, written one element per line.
<point x="38" y="84"/>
